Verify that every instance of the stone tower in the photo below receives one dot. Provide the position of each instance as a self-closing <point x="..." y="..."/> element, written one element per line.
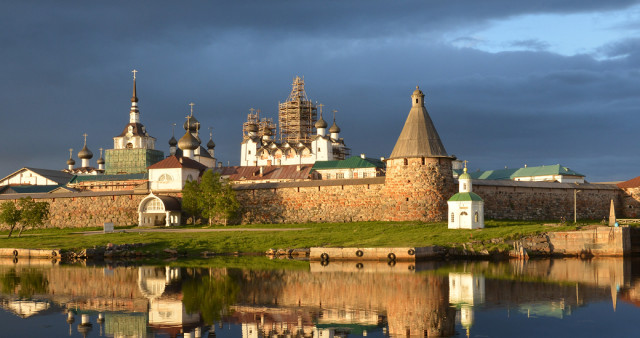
<point x="419" y="179"/>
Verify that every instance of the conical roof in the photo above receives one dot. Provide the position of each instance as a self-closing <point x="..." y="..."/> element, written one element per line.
<point x="419" y="137"/>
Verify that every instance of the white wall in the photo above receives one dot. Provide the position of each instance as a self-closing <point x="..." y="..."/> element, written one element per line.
<point x="25" y="177"/>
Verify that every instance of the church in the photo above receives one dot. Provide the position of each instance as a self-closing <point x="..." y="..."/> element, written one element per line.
<point x="297" y="143"/>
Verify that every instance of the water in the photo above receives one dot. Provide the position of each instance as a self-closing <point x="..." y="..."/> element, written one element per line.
<point x="256" y="297"/>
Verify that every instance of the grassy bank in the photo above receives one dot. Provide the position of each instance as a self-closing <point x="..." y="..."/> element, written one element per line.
<point x="362" y="234"/>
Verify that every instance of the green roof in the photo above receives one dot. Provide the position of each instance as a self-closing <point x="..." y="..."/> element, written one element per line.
<point x="510" y="174"/>
<point x="465" y="196"/>
<point x="352" y="162"/>
<point x="92" y="178"/>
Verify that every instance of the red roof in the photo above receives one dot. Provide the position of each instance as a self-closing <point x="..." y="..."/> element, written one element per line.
<point x="281" y="172"/>
<point x="632" y="183"/>
<point x="178" y="162"/>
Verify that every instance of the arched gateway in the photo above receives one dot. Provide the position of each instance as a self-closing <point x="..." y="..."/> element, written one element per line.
<point x="159" y="210"/>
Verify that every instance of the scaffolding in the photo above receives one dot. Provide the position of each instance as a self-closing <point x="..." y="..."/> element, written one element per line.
<point x="297" y="116"/>
<point x="253" y="120"/>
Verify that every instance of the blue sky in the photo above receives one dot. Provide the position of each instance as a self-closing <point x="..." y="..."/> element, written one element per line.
<point x="507" y="83"/>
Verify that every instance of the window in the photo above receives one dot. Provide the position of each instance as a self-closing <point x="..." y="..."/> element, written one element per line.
<point x="416" y="100"/>
<point x="476" y="217"/>
<point x="129" y="145"/>
<point x="355" y="175"/>
<point x="249" y="152"/>
<point x="423" y="161"/>
<point x="165" y="178"/>
<point x="189" y="177"/>
<point x="328" y="176"/>
<point x="464" y="186"/>
<point x="453" y="217"/>
<point x="154" y="205"/>
<point x="318" y="149"/>
<point x="364" y="175"/>
<point x="340" y="175"/>
<point x="406" y="162"/>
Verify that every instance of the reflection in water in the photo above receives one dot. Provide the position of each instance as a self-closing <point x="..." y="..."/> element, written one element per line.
<point x="341" y="299"/>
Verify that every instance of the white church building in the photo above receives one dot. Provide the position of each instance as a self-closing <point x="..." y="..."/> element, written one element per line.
<point x="466" y="208"/>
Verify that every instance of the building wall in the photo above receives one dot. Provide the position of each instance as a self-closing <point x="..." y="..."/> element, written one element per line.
<point x="27" y="177"/>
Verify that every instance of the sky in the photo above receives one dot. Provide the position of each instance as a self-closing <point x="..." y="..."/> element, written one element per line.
<point x="507" y="83"/>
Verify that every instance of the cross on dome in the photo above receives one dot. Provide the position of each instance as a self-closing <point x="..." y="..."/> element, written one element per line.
<point x="192" y="104"/>
<point x="134" y="73"/>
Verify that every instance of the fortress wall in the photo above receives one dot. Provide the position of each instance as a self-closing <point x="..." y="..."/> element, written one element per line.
<point x="88" y="209"/>
<point x="328" y="201"/>
<point x="546" y="201"/>
<point x="404" y="196"/>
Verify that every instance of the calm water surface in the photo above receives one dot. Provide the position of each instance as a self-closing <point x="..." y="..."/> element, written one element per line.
<point x="256" y="297"/>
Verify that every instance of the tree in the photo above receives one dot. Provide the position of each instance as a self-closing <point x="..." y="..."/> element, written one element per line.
<point x="9" y="215"/>
<point x="190" y="196"/>
<point x="210" y="190"/>
<point x="32" y="213"/>
<point x="211" y="198"/>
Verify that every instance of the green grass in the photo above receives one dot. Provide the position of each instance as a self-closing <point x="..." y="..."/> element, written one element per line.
<point x="357" y="234"/>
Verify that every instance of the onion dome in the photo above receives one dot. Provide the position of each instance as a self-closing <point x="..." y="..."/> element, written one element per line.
<point x="70" y="161"/>
<point x="173" y="142"/>
<point x="321" y="123"/>
<point x="188" y="141"/>
<point x="100" y="160"/>
<point x="191" y="124"/>
<point x="418" y="91"/>
<point x="334" y="128"/>
<point x="465" y="175"/>
<point x="85" y="153"/>
<point x="252" y="128"/>
<point x="268" y="132"/>
<point x="211" y="144"/>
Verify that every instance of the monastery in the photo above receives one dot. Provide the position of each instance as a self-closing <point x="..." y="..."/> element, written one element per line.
<point x="300" y="170"/>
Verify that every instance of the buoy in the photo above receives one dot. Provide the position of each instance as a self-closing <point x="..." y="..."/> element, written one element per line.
<point x="359" y="266"/>
<point x="411" y="252"/>
<point x="324" y="256"/>
<point x="391" y="256"/>
<point x="359" y="253"/>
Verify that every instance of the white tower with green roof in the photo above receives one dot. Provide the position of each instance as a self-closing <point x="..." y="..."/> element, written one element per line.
<point x="466" y="208"/>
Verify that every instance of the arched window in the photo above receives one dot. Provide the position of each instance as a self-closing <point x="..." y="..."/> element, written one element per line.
<point x="165" y="178"/>
<point x="416" y="100"/>
<point x="423" y="161"/>
<point x="189" y="177"/>
<point x="406" y="162"/>
<point x="154" y="205"/>
<point x="464" y="213"/>
<point x="476" y="217"/>
<point x="129" y="145"/>
<point x="464" y="186"/>
<point x="453" y="217"/>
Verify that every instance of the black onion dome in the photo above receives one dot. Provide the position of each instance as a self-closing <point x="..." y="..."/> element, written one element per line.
<point x="321" y="123"/>
<point x="334" y="128"/>
<point x="191" y="124"/>
<point x="173" y="142"/>
<point x="268" y="132"/>
<point x="253" y="128"/>
<point x="211" y="144"/>
<point x="188" y="142"/>
<point x="85" y="153"/>
<point x="71" y="162"/>
<point x="100" y="160"/>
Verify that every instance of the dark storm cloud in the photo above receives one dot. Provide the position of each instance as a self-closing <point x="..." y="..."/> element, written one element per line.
<point x="66" y="70"/>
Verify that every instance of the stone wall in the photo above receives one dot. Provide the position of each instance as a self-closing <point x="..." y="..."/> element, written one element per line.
<point x="418" y="189"/>
<point x="545" y="200"/>
<point x="71" y="210"/>
<point x="313" y="201"/>
<point x="414" y="191"/>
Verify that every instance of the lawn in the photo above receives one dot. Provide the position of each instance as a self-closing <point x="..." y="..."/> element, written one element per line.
<point x="357" y="234"/>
